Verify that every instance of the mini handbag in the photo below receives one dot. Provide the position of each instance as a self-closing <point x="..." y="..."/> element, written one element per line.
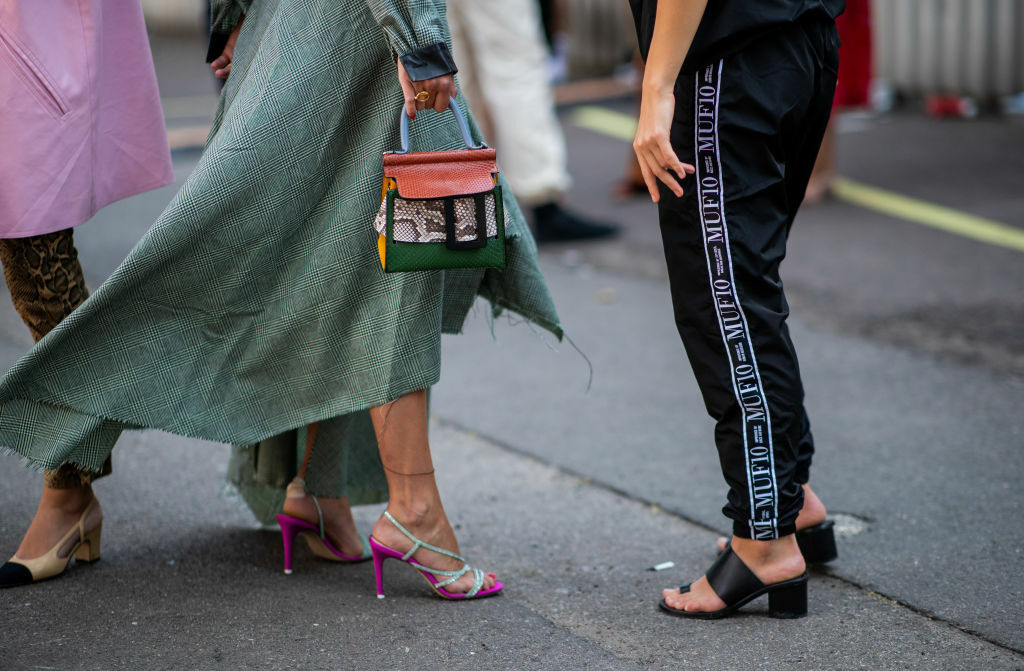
<point x="440" y="209"/>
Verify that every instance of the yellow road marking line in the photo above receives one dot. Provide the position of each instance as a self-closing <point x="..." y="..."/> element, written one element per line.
<point x="935" y="216"/>
<point x="605" y="121"/>
<point x="623" y="127"/>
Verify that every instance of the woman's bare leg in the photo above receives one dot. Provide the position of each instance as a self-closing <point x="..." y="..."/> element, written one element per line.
<point x="414" y="500"/>
<point x="338" y="523"/>
<point x="811" y="514"/>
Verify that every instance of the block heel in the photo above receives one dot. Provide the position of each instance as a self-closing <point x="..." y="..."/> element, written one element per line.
<point x="788" y="602"/>
<point x="818" y="543"/>
<point x="89" y="549"/>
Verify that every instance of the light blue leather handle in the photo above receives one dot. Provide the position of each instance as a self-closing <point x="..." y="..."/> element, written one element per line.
<point x="403" y="127"/>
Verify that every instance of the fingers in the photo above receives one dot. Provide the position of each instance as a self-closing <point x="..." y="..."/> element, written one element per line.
<point x="222" y="64"/>
<point x="446" y="92"/>
<point x="409" y="93"/>
<point x="221" y="67"/>
<point x="649" y="179"/>
<point x="410" y="104"/>
<point x="435" y="94"/>
<point x="441" y="100"/>
<point x="658" y="161"/>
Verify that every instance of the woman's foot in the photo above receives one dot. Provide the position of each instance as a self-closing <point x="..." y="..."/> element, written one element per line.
<point x="432" y="528"/>
<point x="59" y="510"/>
<point x="771" y="561"/>
<point x="68" y="522"/>
<point x="813" y="511"/>
<point x="811" y="515"/>
<point x="339" y="526"/>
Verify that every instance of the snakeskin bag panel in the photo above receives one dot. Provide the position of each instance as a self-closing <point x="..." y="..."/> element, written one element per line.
<point x="423" y="220"/>
<point x="440" y="209"/>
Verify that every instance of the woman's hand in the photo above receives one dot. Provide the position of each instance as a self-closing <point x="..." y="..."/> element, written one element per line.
<point x="439" y="91"/>
<point x="222" y="64"/>
<point x="653" y="149"/>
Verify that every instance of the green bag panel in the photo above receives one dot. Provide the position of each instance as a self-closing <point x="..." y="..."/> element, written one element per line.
<point x="408" y="256"/>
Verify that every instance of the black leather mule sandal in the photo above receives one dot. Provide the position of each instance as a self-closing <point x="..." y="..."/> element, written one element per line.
<point x="736" y="585"/>
<point x="818" y="543"/>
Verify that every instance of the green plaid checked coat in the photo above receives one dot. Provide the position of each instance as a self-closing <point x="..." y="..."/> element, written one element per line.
<point x="256" y="303"/>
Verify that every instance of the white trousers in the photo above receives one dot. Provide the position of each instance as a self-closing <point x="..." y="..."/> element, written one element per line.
<point x="503" y="72"/>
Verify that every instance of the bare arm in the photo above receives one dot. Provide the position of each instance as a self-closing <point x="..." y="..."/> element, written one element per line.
<point x="674" y="27"/>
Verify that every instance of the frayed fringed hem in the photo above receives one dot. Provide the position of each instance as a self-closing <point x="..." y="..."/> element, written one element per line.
<point x="351" y="403"/>
<point x="41" y="467"/>
<point x="498" y="306"/>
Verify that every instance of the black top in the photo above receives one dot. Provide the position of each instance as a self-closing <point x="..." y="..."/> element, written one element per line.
<point x="729" y="25"/>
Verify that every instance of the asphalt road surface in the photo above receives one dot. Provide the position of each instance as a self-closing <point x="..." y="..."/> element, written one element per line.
<point x="912" y="347"/>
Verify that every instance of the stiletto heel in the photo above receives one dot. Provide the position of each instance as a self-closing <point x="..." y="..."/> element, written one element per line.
<point x="378" y="567"/>
<point x="381" y="552"/>
<point x="315" y="534"/>
<point x="736" y="585"/>
<point x="288" y="532"/>
<point x="788" y="602"/>
<point x="18" y="571"/>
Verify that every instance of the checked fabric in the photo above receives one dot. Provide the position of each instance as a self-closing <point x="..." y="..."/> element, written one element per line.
<point x="256" y="303"/>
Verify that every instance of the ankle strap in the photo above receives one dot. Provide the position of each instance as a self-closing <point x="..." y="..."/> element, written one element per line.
<point x="85" y="514"/>
<point x="417" y="543"/>
<point x="319" y="510"/>
<point x="452" y="576"/>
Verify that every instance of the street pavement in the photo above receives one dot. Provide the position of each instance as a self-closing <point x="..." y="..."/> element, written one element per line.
<point x="912" y="349"/>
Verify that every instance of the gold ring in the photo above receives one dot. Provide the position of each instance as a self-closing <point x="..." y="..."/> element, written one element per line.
<point x="422" y="96"/>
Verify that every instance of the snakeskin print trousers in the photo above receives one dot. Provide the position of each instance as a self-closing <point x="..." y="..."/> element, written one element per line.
<point x="46" y="284"/>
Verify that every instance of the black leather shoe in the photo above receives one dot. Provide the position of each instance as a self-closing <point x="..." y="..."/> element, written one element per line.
<point x="736" y="585"/>
<point x="553" y="223"/>
<point x="818" y="543"/>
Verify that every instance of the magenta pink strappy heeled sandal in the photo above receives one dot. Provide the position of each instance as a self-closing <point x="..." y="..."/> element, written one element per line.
<point x="381" y="552"/>
<point x="315" y="535"/>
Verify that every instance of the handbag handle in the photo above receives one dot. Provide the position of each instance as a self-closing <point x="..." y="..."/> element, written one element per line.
<point x="403" y="127"/>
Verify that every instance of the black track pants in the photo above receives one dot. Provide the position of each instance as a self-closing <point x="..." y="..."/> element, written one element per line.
<point x="751" y="124"/>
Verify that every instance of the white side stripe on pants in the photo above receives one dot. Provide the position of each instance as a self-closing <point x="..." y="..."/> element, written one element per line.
<point x="746" y="379"/>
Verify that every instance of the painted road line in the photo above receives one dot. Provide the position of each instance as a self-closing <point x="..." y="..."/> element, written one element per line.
<point x="927" y="214"/>
<point x="623" y="127"/>
<point x="605" y="121"/>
